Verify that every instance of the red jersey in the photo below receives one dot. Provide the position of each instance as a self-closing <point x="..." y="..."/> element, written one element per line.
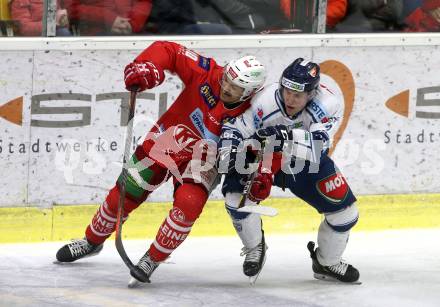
<point x="198" y="112"/>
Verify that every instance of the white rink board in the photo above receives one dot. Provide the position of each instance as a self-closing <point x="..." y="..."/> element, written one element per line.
<point x="371" y="155"/>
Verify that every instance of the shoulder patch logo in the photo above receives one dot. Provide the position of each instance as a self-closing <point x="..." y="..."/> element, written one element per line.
<point x="205" y="63"/>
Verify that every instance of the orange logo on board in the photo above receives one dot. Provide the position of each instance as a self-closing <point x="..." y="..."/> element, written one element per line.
<point x="343" y="77"/>
<point x="12" y="111"/>
<point x="425" y="97"/>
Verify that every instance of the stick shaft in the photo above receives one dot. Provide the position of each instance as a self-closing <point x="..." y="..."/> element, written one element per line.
<point x="122" y="183"/>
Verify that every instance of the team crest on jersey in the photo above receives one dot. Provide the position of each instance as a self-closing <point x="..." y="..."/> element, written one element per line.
<point x="205" y="63"/>
<point x="184" y="137"/>
<point x="334" y="188"/>
<point x="208" y="96"/>
<point x="260" y="112"/>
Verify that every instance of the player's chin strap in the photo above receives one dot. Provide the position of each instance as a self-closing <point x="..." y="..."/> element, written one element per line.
<point x="136" y="272"/>
<point x="263" y="210"/>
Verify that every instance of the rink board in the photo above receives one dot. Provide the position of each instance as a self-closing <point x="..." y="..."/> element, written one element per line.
<point x="60" y="223"/>
<point x="62" y="110"/>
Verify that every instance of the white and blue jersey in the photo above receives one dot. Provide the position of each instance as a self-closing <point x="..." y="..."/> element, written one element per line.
<point x="324" y="188"/>
<point x="322" y="114"/>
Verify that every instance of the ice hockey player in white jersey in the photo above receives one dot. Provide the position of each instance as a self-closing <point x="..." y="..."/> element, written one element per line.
<point x="300" y="116"/>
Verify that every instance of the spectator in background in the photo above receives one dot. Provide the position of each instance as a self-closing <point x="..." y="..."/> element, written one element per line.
<point x="245" y="16"/>
<point x="372" y="15"/>
<point x="215" y="16"/>
<point x="425" y="18"/>
<point x="179" y="17"/>
<point x="29" y="15"/>
<point x="336" y="10"/>
<point x="108" y="17"/>
<point x="384" y="15"/>
<point x="410" y="5"/>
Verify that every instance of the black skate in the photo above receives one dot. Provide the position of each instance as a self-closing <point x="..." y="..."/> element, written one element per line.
<point x="342" y="271"/>
<point x="254" y="261"/>
<point x="143" y="270"/>
<point x="79" y="248"/>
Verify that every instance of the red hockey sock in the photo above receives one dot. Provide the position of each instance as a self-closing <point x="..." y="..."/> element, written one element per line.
<point x="189" y="200"/>
<point x="104" y="221"/>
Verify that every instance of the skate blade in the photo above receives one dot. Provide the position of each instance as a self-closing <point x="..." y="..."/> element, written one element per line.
<point x="134" y="283"/>
<point x="72" y="263"/>
<point x="331" y="279"/>
<point x="253" y="279"/>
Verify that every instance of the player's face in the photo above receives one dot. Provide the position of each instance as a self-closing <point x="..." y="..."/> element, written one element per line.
<point x="229" y="92"/>
<point x="295" y="101"/>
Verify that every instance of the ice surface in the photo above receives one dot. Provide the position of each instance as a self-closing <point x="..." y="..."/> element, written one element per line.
<point x="398" y="268"/>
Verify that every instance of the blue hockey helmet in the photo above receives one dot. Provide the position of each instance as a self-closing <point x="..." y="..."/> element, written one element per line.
<point x="300" y="76"/>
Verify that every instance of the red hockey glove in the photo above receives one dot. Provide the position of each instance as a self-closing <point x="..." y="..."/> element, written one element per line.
<point x="260" y="189"/>
<point x="141" y="76"/>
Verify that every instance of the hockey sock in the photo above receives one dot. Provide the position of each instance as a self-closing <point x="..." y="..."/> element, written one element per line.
<point x="333" y="235"/>
<point x="104" y="221"/>
<point x="189" y="200"/>
<point x="247" y="225"/>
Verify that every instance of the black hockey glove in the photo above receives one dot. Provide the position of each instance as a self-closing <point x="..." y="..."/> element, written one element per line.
<point x="278" y="133"/>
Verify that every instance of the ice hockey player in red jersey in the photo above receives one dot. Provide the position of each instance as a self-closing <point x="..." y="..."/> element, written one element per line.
<point x="211" y="95"/>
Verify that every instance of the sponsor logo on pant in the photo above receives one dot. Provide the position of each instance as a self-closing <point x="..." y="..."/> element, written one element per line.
<point x="334" y="188"/>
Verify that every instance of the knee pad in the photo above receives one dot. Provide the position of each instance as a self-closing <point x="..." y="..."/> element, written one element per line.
<point x="190" y="199"/>
<point x="343" y="220"/>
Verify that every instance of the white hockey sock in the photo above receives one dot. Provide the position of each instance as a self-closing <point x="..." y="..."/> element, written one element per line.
<point x="247" y="225"/>
<point x="249" y="230"/>
<point x="333" y="234"/>
<point x="331" y="244"/>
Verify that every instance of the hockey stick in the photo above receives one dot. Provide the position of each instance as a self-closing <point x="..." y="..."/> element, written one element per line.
<point x="119" y="219"/>
<point x="263" y="210"/>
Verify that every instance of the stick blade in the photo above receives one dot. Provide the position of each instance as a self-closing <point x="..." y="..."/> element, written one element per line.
<point x="262" y="210"/>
